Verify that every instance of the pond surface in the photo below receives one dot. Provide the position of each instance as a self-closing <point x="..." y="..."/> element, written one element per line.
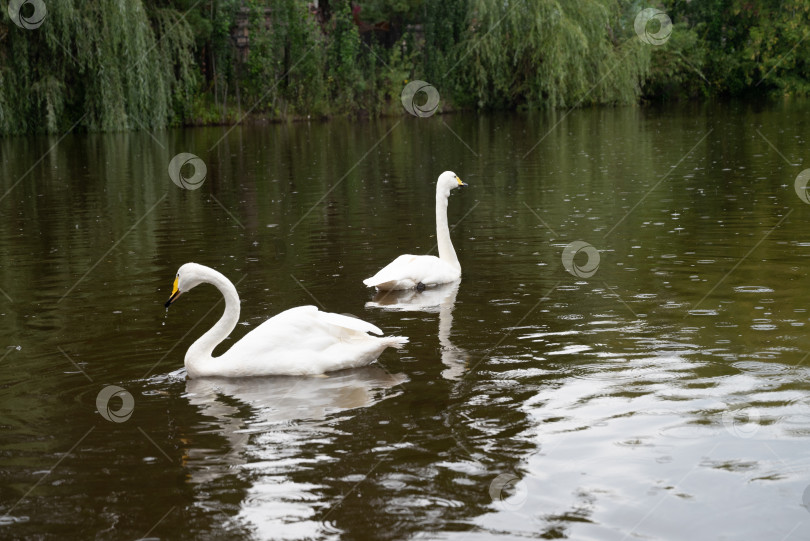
<point x="626" y="356"/>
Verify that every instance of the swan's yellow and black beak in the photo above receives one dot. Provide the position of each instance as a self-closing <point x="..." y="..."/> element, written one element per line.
<point x="460" y="183"/>
<point x="175" y="293"/>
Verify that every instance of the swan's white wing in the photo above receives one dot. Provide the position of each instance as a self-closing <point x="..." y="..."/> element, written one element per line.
<point x="349" y="322"/>
<point x="408" y="270"/>
<point x="393" y="271"/>
<point x="282" y="331"/>
<point x="302" y="341"/>
<point x="301" y="327"/>
<point x="312" y="320"/>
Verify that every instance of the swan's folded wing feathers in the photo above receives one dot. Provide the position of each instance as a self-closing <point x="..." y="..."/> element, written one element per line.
<point x="349" y="322"/>
<point x="305" y="324"/>
<point x="409" y="270"/>
<point x="310" y="315"/>
<point x="281" y="329"/>
<point x="392" y="271"/>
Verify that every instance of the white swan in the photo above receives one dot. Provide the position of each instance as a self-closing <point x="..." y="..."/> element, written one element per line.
<point x="301" y="341"/>
<point x="421" y="271"/>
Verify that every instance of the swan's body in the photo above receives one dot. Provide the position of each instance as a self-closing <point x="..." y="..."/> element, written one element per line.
<point x="301" y="341"/>
<point x="417" y="271"/>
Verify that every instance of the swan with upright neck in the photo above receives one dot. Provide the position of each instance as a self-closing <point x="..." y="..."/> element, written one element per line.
<point x="421" y="271"/>
<point x="301" y="341"/>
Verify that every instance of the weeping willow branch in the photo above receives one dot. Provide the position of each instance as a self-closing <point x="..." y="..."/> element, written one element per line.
<point x="124" y="67"/>
<point x="550" y="53"/>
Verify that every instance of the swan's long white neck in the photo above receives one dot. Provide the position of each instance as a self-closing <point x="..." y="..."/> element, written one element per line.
<point x="446" y="251"/>
<point x="200" y="352"/>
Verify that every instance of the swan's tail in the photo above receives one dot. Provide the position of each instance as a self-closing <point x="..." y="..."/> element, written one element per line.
<point x="394" y="341"/>
<point x="388" y="285"/>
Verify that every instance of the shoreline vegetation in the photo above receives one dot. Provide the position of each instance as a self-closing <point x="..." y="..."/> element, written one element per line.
<point x="149" y="64"/>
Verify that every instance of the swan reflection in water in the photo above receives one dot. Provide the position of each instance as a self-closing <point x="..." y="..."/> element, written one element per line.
<point x="440" y="299"/>
<point x="289" y="398"/>
<point x="242" y="407"/>
<point x="272" y="425"/>
<point x="286" y="399"/>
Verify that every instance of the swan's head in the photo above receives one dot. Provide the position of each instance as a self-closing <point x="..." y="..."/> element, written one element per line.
<point x="189" y="276"/>
<point x="448" y="181"/>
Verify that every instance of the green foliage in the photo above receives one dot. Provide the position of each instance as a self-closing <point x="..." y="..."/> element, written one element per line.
<point x="106" y="64"/>
<point x="146" y="64"/>
<point x="445" y="26"/>
<point x="296" y="68"/>
<point x="677" y="66"/>
<point x="345" y="82"/>
<point x="746" y="46"/>
<point x="373" y="11"/>
<point x="283" y="71"/>
<point x="547" y="53"/>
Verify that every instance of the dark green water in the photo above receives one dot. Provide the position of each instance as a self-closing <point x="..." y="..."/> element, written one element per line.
<point x="666" y="396"/>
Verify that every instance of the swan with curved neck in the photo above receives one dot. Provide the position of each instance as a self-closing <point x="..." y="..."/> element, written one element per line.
<point x="297" y="342"/>
<point x="421" y="271"/>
